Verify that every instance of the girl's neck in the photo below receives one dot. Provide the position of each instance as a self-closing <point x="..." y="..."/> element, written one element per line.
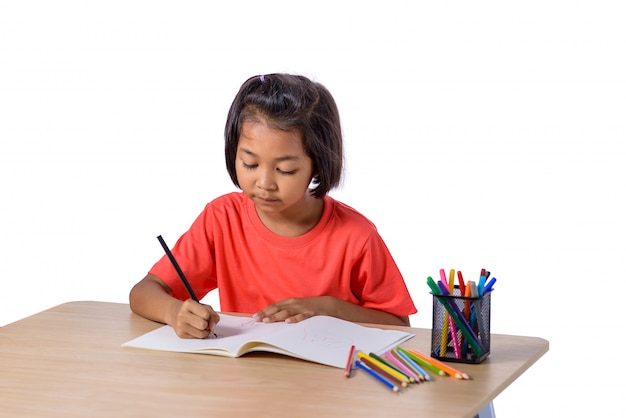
<point x="296" y="221"/>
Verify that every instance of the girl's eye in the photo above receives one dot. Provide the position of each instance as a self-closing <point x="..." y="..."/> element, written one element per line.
<point x="286" y="173"/>
<point x="253" y="166"/>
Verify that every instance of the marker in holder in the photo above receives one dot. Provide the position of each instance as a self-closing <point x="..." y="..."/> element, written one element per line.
<point x="461" y="327"/>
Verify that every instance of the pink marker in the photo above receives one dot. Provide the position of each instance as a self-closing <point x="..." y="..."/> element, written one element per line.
<point x="444" y="279"/>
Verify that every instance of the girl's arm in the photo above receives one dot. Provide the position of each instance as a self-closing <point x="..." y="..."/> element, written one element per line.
<point x="151" y="299"/>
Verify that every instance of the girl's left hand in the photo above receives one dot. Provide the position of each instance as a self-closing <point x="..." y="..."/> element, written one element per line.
<point x="294" y="309"/>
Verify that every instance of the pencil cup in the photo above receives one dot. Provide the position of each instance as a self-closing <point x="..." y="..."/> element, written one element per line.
<point x="461" y="327"/>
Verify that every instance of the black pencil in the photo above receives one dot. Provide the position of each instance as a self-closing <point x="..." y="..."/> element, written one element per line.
<point x="177" y="267"/>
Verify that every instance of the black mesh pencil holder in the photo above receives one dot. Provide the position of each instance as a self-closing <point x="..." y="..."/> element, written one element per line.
<point x="461" y="327"/>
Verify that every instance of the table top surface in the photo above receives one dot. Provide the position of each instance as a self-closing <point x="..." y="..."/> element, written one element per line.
<point x="69" y="361"/>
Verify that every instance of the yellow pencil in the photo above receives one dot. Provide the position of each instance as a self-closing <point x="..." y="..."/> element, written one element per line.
<point x="451" y="282"/>
<point x="380" y="370"/>
<point x="383" y="366"/>
<point x="443" y="345"/>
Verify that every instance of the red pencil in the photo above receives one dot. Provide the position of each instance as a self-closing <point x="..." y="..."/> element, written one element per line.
<point x="349" y="363"/>
<point x="461" y="282"/>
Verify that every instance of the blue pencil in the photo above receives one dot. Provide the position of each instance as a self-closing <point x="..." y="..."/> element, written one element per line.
<point x="377" y="376"/>
<point x="489" y="285"/>
<point x="413" y="364"/>
<point x="481" y="285"/>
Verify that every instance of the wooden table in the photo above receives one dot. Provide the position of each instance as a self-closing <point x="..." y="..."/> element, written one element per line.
<point x="68" y="361"/>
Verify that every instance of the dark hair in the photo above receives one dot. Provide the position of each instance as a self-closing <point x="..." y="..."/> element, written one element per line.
<point x="291" y="102"/>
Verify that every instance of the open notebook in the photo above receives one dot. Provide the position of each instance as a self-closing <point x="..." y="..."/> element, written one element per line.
<point x="321" y="339"/>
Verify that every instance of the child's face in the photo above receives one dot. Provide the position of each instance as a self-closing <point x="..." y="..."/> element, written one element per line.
<point x="272" y="168"/>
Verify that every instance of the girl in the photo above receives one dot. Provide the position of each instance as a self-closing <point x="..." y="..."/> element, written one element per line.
<point x="281" y="248"/>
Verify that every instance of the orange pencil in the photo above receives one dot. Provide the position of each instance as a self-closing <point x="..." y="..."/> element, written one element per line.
<point x="427" y="364"/>
<point x="443" y="366"/>
<point x="466" y="305"/>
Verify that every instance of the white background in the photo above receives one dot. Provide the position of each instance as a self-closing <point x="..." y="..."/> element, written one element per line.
<point x="478" y="134"/>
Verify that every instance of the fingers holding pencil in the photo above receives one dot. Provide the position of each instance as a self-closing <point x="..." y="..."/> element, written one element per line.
<point x="195" y="320"/>
<point x="192" y="319"/>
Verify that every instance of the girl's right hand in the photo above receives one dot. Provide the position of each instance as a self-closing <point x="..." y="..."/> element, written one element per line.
<point x="195" y="320"/>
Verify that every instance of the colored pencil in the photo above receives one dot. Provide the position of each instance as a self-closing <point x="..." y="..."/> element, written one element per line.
<point x="409" y="365"/>
<point x="467" y="294"/>
<point x="385" y="367"/>
<point x="455" y="340"/>
<point x="443" y="366"/>
<point x="481" y="283"/>
<point x="457" y="316"/>
<point x="490" y="284"/>
<point x="349" y="362"/>
<point x="461" y="282"/>
<point x="377" y="376"/>
<point x="383" y="373"/>
<point x="443" y="345"/>
<point x="393" y="360"/>
<point x="424" y="375"/>
<point x="391" y="365"/>
<point x="453" y="333"/>
<point x="451" y="282"/>
<point x="424" y="363"/>
<point x="478" y="312"/>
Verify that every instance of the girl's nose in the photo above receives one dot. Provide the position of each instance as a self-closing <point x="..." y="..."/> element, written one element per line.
<point x="265" y="180"/>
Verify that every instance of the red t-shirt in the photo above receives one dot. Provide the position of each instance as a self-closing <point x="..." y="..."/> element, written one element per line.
<point x="229" y="248"/>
